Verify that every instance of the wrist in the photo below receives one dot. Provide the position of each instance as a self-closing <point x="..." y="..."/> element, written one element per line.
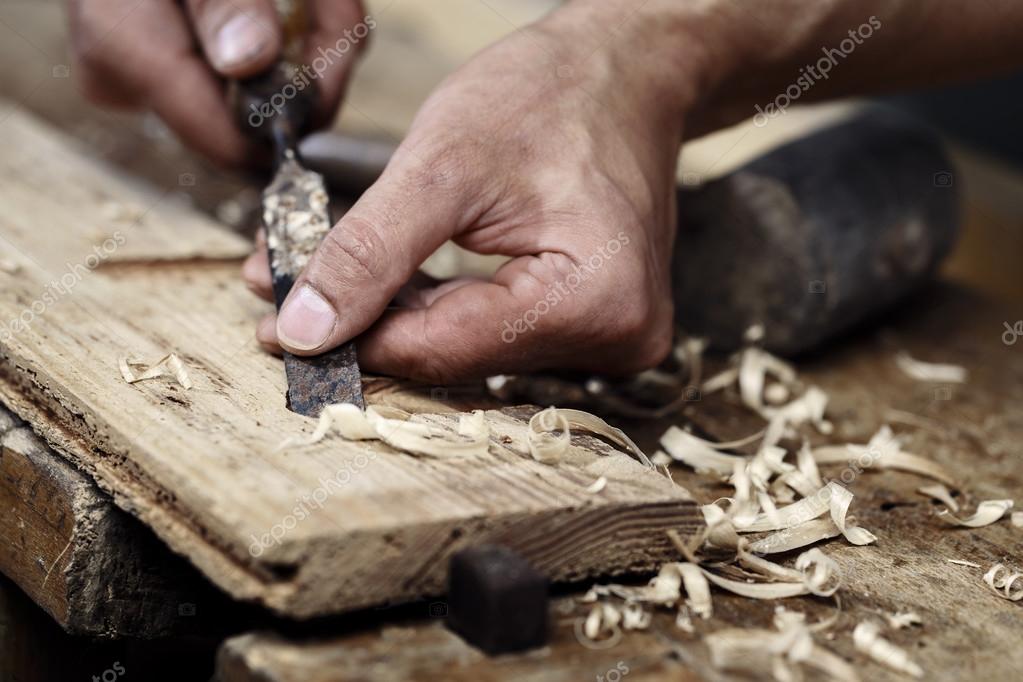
<point x="675" y="55"/>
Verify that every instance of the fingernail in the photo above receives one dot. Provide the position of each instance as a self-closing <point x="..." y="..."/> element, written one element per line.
<point x="238" y="40"/>
<point x="306" y="320"/>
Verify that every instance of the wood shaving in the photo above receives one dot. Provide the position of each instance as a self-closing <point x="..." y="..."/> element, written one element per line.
<point x="939" y="492"/>
<point x="697" y="453"/>
<point x="600" y="629"/>
<point x="548" y="447"/>
<point x="988" y="512"/>
<point x="930" y="371"/>
<point x="684" y="621"/>
<point x="168" y="365"/>
<point x="544" y="445"/>
<point x="403" y="431"/>
<point x="1016" y="519"/>
<point x="1005" y="583"/>
<point x="597" y="485"/>
<point x="798" y="536"/>
<point x="697" y="589"/>
<point x="898" y="621"/>
<point x="963" y="562"/>
<point x="882" y="452"/>
<point x="867" y="639"/>
<point x="634" y="617"/>
<point x="661" y="458"/>
<point x="783" y="651"/>
<point x="584" y="421"/>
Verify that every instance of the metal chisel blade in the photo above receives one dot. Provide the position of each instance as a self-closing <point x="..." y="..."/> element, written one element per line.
<point x="296" y="218"/>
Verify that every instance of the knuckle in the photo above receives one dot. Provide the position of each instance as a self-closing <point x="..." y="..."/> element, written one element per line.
<point x="353" y="251"/>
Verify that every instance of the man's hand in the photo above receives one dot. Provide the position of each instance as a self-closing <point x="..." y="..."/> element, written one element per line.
<point x="549" y="148"/>
<point x="173" y="57"/>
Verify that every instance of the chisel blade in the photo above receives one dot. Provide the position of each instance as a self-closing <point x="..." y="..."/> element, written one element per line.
<point x="296" y="218"/>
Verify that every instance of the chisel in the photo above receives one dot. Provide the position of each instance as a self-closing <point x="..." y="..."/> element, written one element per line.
<point x="296" y="214"/>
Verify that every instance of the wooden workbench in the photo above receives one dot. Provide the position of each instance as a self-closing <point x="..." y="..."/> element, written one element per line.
<point x="976" y="428"/>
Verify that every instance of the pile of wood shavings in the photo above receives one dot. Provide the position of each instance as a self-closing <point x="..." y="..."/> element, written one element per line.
<point x="791" y="498"/>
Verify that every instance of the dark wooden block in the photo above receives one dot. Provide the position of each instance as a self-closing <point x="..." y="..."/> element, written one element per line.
<point x="498" y="602"/>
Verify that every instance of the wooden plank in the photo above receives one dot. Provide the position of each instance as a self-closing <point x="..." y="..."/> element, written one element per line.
<point x="428" y="651"/>
<point x="975" y="430"/>
<point x="95" y="570"/>
<point x="33" y="648"/>
<point x="351" y="524"/>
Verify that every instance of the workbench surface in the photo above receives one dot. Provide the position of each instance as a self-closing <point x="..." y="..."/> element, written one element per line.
<point x="975" y="429"/>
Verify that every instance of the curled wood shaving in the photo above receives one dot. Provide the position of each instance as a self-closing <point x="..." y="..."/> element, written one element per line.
<point x="987" y="513"/>
<point x="168" y="365"/>
<point x="400" y="430"/>
<point x="597" y="485"/>
<point x="758" y="590"/>
<point x="634" y="617"/>
<point x="831" y="498"/>
<point x="600" y="629"/>
<point x="929" y="371"/>
<point x="546" y="446"/>
<point x="820" y="572"/>
<point x="841" y="498"/>
<point x="939" y="492"/>
<point x="1005" y="583"/>
<point x="882" y="452"/>
<point x="584" y="421"/>
<point x="808" y="408"/>
<point x="867" y="639"/>
<point x="783" y="651"/>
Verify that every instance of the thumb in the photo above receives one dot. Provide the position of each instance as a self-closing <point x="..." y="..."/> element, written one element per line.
<point x="240" y="37"/>
<point x="369" y="254"/>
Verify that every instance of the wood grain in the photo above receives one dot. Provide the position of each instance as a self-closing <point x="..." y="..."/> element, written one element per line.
<point x="358" y="523"/>
<point x="95" y="570"/>
<point x="974" y="430"/>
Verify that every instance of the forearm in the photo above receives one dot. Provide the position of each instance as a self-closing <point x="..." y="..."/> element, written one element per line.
<point x="727" y="57"/>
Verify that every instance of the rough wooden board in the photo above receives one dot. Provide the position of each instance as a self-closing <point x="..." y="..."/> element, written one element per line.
<point x="431" y="652"/>
<point x="975" y="430"/>
<point x="95" y="570"/>
<point x="203" y="467"/>
<point x="33" y="648"/>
